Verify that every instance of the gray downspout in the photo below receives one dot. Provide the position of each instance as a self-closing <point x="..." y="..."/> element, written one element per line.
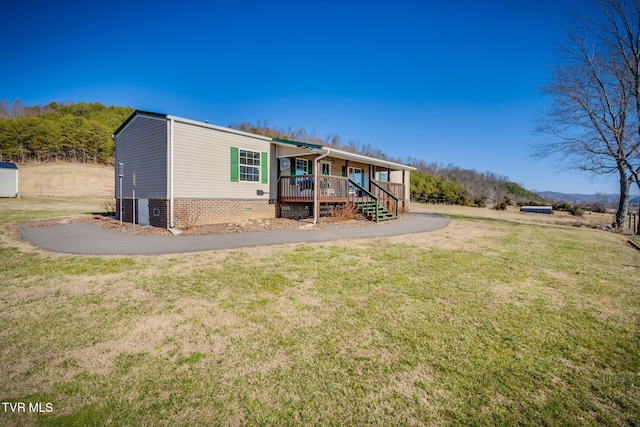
<point x="171" y="220"/>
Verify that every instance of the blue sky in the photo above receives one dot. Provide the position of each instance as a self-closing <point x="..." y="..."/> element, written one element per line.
<point x="448" y="82"/>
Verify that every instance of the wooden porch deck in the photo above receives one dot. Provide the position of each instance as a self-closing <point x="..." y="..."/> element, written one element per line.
<point x="378" y="202"/>
<point x="300" y="188"/>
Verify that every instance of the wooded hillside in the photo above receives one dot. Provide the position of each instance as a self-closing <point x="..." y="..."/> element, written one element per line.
<point x="75" y="132"/>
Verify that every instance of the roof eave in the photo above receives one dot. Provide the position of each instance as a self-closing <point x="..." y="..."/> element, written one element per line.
<point x="366" y="159"/>
<point x="298" y="144"/>
<point x="345" y="155"/>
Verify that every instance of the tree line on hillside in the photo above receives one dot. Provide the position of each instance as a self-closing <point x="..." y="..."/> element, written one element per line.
<point x="431" y="183"/>
<point x="78" y="132"/>
<point x="436" y="183"/>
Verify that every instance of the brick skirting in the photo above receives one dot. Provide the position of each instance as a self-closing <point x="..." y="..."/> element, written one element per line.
<point x="127" y="214"/>
<point x="189" y="213"/>
<point x="159" y="213"/>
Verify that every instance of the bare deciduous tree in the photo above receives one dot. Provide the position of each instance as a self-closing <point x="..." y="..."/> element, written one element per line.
<point x="591" y="122"/>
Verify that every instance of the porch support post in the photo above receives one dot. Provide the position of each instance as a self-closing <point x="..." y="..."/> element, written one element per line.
<point x="346" y="172"/>
<point x="371" y="175"/>
<point x="171" y="177"/>
<point x="278" y="191"/>
<point x="316" y="186"/>
<point x="404" y="190"/>
<point x="279" y="195"/>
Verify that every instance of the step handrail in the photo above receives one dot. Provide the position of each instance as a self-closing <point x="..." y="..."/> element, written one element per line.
<point x="397" y="199"/>
<point x="368" y="193"/>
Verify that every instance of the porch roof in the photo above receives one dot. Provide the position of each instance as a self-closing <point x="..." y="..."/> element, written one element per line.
<point x="341" y="154"/>
<point x="297" y="143"/>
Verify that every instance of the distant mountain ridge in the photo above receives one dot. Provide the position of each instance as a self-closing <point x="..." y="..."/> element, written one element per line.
<point x="577" y="198"/>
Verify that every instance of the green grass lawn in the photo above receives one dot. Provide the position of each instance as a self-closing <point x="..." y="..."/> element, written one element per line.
<point x="506" y="324"/>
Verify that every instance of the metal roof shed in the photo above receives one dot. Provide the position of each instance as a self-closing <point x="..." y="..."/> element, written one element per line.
<point x="537" y="209"/>
<point x="8" y="179"/>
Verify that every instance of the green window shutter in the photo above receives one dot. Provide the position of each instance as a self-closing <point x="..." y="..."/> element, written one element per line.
<point x="235" y="166"/>
<point x="264" y="172"/>
<point x="310" y="163"/>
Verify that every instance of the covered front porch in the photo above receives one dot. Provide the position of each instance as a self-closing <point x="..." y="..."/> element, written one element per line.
<point x="381" y="202"/>
<point x="315" y="177"/>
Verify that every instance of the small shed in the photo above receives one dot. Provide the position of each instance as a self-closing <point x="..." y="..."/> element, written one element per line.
<point x="537" y="209"/>
<point x="8" y="179"/>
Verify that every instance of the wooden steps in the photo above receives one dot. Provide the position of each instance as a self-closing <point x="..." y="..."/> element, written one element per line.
<point x="368" y="209"/>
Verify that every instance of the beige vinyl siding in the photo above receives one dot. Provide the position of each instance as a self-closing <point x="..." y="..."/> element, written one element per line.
<point x="142" y="147"/>
<point x="202" y="163"/>
<point x="407" y="185"/>
<point x="396" y="176"/>
<point x="339" y="164"/>
<point x="292" y="151"/>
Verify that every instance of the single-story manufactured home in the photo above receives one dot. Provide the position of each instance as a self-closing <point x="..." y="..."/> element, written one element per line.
<point x="8" y="179"/>
<point x="177" y="173"/>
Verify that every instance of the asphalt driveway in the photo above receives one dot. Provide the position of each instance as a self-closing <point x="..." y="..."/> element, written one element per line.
<point x="92" y="239"/>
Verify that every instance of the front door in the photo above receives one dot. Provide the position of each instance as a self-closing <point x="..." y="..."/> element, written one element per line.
<point x="357" y="175"/>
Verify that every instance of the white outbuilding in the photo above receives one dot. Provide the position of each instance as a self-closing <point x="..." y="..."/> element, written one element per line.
<point x="8" y="179"/>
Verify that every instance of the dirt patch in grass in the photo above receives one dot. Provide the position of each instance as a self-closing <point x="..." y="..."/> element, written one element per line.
<point x="419" y="386"/>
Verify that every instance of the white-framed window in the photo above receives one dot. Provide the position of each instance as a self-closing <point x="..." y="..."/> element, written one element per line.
<point x="302" y="167"/>
<point x="383" y="176"/>
<point x="325" y="168"/>
<point x="249" y="165"/>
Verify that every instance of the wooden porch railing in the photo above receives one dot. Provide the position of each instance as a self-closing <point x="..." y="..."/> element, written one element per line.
<point x="395" y="188"/>
<point x="363" y="195"/>
<point x="387" y="199"/>
<point x="299" y="188"/>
